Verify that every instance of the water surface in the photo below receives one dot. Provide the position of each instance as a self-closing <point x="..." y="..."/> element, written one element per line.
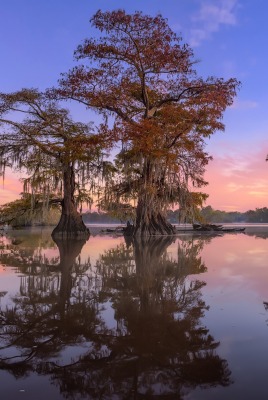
<point x="182" y="317"/>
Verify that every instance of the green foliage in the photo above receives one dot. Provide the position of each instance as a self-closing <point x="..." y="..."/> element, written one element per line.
<point x="210" y="215"/>
<point x="23" y="212"/>
<point x="99" y="218"/>
<point x="258" y="215"/>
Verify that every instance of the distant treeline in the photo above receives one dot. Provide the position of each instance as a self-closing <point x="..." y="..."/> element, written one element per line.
<point x="208" y="214"/>
<point x="218" y="216"/>
<point x="99" y="218"/>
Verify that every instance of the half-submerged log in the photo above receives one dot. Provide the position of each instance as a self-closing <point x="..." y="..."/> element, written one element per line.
<point x="215" y="228"/>
<point x="207" y="227"/>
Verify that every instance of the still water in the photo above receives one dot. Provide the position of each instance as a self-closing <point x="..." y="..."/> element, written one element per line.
<point x="182" y="317"/>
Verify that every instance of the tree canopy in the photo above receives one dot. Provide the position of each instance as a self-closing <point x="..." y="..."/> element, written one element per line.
<point x="138" y="71"/>
<point x="60" y="157"/>
<point x="140" y="76"/>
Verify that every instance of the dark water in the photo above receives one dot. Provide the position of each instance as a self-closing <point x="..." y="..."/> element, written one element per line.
<point x="165" y="318"/>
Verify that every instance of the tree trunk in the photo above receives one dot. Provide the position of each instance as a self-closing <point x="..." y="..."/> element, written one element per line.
<point x="69" y="250"/>
<point x="150" y="268"/>
<point x="150" y="221"/>
<point x="71" y="224"/>
<point x="150" y="217"/>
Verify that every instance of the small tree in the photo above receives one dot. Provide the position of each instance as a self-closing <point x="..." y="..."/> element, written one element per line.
<point x="20" y="212"/>
<point x="60" y="156"/>
<point x="139" y="72"/>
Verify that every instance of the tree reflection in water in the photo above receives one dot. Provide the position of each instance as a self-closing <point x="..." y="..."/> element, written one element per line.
<point x="158" y="347"/>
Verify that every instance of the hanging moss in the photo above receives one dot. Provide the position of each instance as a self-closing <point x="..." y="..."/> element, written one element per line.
<point x="59" y="157"/>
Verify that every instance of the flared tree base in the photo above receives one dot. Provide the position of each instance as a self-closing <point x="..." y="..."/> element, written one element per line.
<point x="155" y="226"/>
<point x="71" y="226"/>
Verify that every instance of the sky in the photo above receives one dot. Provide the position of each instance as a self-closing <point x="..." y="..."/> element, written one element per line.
<point x="229" y="39"/>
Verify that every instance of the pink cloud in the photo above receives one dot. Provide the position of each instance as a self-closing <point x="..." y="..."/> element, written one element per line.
<point x="242" y="262"/>
<point x="238" y="182"/>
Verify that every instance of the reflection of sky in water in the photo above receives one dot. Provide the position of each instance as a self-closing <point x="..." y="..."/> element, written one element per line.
<point x="107" y="314"/>
<point x="236" y="287"/>
<point x="31" y="387"/>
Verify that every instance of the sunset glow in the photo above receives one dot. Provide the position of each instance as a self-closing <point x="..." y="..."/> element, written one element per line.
<point x="220" y="34"/>
<point x="238" y="182"/>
